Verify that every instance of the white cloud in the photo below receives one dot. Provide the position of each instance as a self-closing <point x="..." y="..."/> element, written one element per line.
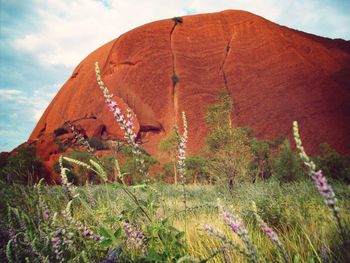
<point x="9" y="92"/>
<point x="41" y="99"/>
<point x="270" y="9"/>
<point x="71" y="29"/>
<point x="32" y="105"/>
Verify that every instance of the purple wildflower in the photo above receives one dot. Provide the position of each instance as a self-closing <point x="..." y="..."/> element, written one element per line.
<point x="237" y="226"/>
<point x="130" y="122"/>
<point x="126" y="124"/>
<point x="226" y="253"/>
<point x="87" y="232"/>
<point x="113" y="106"/>
<point x="270" y="233"/>
<point x="127" y="229"/>
<point x="80" y="139"/>
<point x="135" y="237"/>
<point x="46" y="214"/>
<point x="324" y="254"/>
<point x="69" y="187"/>
<point x="227" y="244"/>
<point x="322" y="186"/>
<point x="209" y="229"/>
<point x="113" y="256"/>
<point x="57" y="244"/>
<point x="45" y="211"/>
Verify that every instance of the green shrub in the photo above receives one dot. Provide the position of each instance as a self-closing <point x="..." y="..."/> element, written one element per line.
<point x="197" y="169"/>
<point x="97" y="143"/>
<point x="108" y="163"/>
<point x="287" y="166"/>
<point x="261" y="164"/>
<point x="125" y="149"/>
<point x="22" y="166"/>
<point x="3" y="159"/>
<point x="72" y="176"/>
<point x="333" y="164"/>
<point x="169" y="169"/>
<point x="82" y="173"/>
<point x="169" y="148"/>
<point x="61" y="146"/>
<point x="130" y="167"/>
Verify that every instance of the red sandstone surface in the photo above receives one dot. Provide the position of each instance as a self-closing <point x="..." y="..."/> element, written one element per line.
<point x="273" y="74"/>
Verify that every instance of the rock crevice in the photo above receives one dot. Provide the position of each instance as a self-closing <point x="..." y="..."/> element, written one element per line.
<point x="222" y="67"/>
<point x="174" y="77"/>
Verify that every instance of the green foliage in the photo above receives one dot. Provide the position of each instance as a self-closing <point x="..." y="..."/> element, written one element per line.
<point x="169" y="146"/>
<point x="60" y="131"/>
<point x="71" y="174"/>
<point x="229" y="147"/>
<point x="125" y="149"/>
<point x="82" y="173"/>
<point x="97" y="143"/>
<point x="333" y="164"/>
<point x="197" y="169"/>
<point x="261" y="164"/>
<point x="108" y="162"/>
<point x="287" y="165"/>
<point x="218" y="114"/>
<point x="169" y="168"/>
<point x="34" y="232"/>
<point x="294" y="210"/>
<point x="22" y="166"/>
<point x="130" y="167"/>
<point x="60" y="144"/>
<point x="3" y="158"/>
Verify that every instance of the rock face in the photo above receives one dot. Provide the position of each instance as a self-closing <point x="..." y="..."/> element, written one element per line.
<point x="273" y="74"/>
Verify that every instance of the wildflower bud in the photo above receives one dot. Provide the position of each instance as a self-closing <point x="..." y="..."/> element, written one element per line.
<point x="322" y="186"/>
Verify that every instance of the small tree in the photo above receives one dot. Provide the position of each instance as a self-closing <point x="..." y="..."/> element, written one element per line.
<point x="130" y="168"/>
<point x="168" y="146"/>
<point x="197" y="167"/>
<point x="287" y="165"/>
<point x="228" y="147"/>
<point x="262" y="162"/>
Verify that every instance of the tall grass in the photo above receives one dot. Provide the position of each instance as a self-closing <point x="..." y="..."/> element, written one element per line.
<point x="295" y="211"/>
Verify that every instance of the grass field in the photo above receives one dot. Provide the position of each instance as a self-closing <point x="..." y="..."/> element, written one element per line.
<point x="295" y="211"/>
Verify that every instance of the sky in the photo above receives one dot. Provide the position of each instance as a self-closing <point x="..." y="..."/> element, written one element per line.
<point x="42" y="41"/>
